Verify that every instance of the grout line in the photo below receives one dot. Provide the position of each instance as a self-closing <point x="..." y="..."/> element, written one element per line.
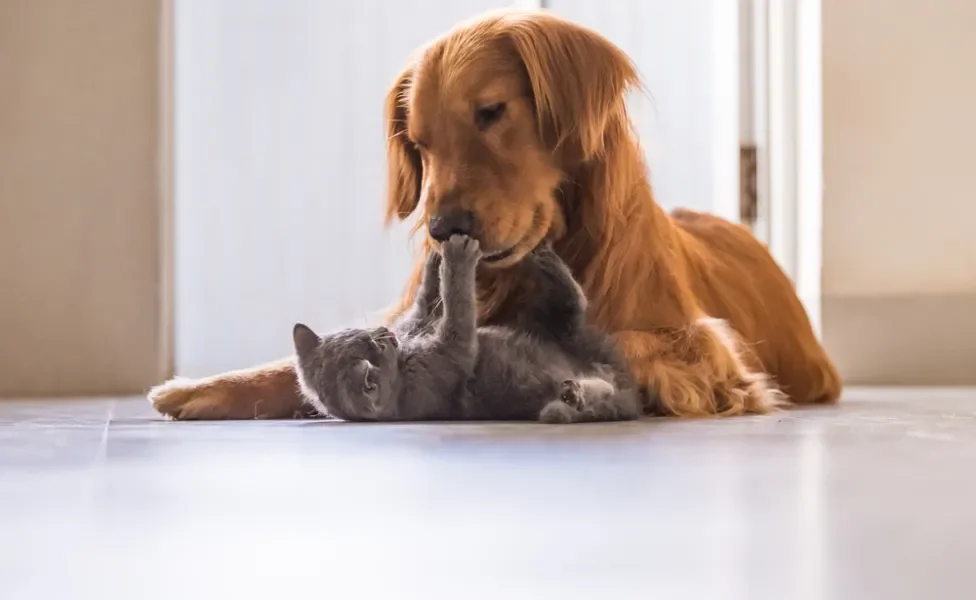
<point x="103" y="443"/>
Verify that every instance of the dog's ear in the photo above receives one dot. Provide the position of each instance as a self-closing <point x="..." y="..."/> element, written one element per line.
<point x="578" y="80"/>
<point x="405" y="169"/>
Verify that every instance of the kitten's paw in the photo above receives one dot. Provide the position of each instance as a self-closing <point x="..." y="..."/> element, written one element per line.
<point x="573" y="394"/>
<point x="557" y="412"/>
<point x="461" y="249"/>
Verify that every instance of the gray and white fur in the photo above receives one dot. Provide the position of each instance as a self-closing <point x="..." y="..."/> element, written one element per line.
<point x="435" y="363"/>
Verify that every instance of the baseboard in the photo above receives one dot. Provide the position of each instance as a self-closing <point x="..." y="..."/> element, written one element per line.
<point x="904" y="340"/>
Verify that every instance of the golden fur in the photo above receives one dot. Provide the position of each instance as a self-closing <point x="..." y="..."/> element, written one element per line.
<point x="708" y="321"/>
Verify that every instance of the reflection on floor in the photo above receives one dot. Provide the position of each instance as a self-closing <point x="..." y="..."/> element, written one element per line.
<point x="875" y="499"/>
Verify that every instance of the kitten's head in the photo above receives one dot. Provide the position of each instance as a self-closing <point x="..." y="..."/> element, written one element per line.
<point x="347" y="374"/>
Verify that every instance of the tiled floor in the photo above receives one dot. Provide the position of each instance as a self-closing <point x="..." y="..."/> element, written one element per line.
<point x="876" y="499"/>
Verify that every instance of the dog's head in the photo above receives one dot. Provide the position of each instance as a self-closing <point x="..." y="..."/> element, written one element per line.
<point x="485" y="123"/>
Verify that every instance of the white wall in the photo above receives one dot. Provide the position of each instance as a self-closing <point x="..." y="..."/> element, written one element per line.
<point x="81" y="311"/>
<point x="900" y="158"/>
<point x="687" y="52"/>
<point x="899" y="213"/>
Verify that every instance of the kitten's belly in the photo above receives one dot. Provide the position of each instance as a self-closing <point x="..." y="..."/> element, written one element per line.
<point x="515" y="375"/>
<point x="503" y="350"/>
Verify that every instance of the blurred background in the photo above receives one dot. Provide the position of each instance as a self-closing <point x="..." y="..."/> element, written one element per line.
<point x="182" y="180"/>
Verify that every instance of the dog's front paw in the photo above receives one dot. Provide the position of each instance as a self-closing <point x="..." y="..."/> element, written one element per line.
<point x="461" y="250"/>
<point x="219" y="399"/>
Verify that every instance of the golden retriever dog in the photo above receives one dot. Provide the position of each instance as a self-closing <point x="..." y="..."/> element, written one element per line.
<point x="513" y="128"/>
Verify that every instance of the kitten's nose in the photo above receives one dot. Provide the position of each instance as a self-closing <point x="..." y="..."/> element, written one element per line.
<point x="455" y="222"/>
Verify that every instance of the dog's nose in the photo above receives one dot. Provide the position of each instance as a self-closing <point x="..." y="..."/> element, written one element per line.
<point x="458" y="222"/>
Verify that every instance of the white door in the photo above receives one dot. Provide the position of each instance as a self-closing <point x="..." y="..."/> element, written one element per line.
<point x="783" y="42"/>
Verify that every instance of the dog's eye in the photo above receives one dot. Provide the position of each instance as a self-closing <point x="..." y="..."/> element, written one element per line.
<point x="486" y="116"/>
<point x="419" y="144"/>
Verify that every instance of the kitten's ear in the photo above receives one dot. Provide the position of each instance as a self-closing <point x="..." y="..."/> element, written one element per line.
<point x="306" y="340"/>
<point x="368" y="384"/>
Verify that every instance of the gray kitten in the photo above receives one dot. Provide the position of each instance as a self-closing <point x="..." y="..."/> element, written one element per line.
<point x="436" y="364"/>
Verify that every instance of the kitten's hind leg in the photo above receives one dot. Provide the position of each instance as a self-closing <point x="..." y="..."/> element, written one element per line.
<point x="591" y="399"/>
<point x="557" y="412"/>
<point x="573" y="394"/>
<point x="623" y="405"/>
<point x="572" y="402"/>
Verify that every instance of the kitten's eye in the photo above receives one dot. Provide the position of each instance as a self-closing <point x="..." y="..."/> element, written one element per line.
<point x="486" y="116"/>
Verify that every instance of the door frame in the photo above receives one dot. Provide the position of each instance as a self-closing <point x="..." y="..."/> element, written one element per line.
<point x="784" y="91"/>
<point x="166" y="96"/>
